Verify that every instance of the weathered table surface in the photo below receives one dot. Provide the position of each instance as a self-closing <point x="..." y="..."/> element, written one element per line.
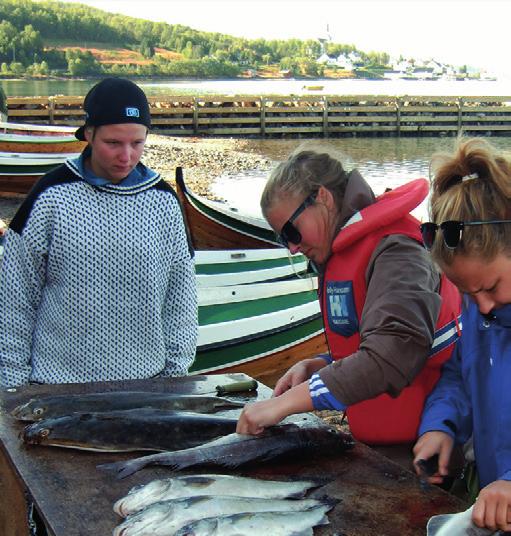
<point x="376" y="496"/>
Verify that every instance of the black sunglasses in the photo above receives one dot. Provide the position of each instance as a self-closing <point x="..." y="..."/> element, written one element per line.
<point x="451" y="231"/>
<point x="289" y="233"/>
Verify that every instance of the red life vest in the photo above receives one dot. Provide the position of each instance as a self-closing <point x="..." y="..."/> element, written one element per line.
<point x="383" y="419"/>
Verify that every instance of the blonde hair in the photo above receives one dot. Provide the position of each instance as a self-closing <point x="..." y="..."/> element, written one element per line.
<point x="308" y="168"/>
<point x="472" y="184"/>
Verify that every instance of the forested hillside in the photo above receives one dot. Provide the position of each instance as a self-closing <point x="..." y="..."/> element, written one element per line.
<point x="44" y="38"/>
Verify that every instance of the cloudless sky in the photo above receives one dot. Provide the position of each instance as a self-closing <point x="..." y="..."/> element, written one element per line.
<point x="472" y="32"/>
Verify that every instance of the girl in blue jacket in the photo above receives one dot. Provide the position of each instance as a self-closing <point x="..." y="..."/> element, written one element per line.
<point x="470" y="238"/>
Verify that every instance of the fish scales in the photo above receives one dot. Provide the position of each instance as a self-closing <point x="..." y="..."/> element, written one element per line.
<point x="130" y="430"/>
<point x="139" y="497"/>
<point x="55" y="406"/>
<point x="166" y="517"/>
<point x="234" y="450"/>
<point x="248" y="524"/>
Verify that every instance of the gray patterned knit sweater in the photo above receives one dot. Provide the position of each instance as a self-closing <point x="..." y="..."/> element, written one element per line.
<point x="96" y="283"/>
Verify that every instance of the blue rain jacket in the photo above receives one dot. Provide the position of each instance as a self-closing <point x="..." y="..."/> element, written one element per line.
<point x="473" y="395"/>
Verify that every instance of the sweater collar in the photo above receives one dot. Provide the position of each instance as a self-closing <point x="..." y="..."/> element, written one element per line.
<point x="140" y="178"/>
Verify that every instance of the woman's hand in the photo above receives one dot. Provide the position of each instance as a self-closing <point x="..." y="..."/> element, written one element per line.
<point x="298" y="373"/>
<point x="256" y="417"/>
<point x="492" y="509"/>
<point x="428" y="445"/>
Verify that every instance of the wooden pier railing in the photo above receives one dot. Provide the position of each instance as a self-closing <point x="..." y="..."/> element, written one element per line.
<point x="293" y="115"/>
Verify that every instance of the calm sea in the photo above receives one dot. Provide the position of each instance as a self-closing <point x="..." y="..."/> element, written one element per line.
<point x="15" y="88"/>
<point x="385" y="162"/>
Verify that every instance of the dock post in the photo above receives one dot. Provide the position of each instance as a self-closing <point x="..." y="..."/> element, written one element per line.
<point x="263" y="116"/>
<point x="325" y="116"/>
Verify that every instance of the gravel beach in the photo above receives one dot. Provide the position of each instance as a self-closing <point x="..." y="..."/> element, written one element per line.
<point x="202" y="160"/>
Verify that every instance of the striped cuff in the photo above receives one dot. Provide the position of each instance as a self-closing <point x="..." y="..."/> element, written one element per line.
<point x="326" y="357"/>
<point x="321" y="396"/>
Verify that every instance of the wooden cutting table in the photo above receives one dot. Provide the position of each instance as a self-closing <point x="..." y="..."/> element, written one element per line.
<point x="376" y="496"/>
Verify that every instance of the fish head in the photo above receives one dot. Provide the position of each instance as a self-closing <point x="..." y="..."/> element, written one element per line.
<point x="35" y="434"/>
<point x="33" y="410"/>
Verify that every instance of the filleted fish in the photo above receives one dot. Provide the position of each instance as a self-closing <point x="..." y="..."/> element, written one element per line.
<point x="139" y="497"/>
<point x="55" y="406"/>
<point x="130" y="430"/>
<point x="166" y="517"/>
<point x="235" y="450"/>
<point x="249" y="524"/>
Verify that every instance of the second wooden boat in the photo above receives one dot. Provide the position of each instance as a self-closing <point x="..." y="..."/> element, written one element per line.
<point x="20" y="171"/>
<point x="8" y="127"/>
<point x="31" y="143"/>
<point x="212" y="225"/>
<point x="260" y="329"/>
<point x="241" y="266"/>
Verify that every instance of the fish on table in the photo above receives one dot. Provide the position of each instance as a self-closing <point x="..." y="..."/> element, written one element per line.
<point x="166" y="517"/>
<point x="55" y="406"/>
<point x="130" y="430"/>
<point x="459" y="524"/>
<point x="184" y="486"/>
<point x="249" y="524"/>
<point x="235" y="450"/>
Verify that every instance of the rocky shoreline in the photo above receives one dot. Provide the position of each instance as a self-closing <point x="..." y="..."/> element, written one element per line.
<point x="202" y="159"/>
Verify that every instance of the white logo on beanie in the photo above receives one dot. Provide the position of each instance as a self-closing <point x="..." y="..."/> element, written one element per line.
<point x="132" y="112"/>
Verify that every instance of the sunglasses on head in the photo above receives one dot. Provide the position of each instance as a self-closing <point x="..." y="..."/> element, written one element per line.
<point x="451" y="231"/>
<point x="289" y="233"/>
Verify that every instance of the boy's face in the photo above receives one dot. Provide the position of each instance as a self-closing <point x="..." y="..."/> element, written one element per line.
<point x="116" y="149"/>
<point x="487" y="283"/>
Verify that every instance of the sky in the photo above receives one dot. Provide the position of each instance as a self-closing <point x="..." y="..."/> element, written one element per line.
<point x="461" y="32"/>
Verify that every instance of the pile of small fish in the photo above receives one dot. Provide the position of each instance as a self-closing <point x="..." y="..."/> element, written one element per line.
<point x="224" y="505"/>
<point x="125" y="421"/>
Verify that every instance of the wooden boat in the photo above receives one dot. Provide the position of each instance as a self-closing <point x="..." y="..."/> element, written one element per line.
<point x="20" y="171"/>
<point x="260" y="329"/>
<point x="32" y="143"/>
<point x="241" y="266"/>
<point x="213" y="225"/>
<point x="42" y="130"/>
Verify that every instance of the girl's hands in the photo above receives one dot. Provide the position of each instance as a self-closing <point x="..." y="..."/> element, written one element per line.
<point x="428" y="445"/>
<point x="492" y="509"/>
<point x="298" y="373"/>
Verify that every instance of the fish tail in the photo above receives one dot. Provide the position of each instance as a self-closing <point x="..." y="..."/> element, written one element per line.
<point x="119" y="469"/>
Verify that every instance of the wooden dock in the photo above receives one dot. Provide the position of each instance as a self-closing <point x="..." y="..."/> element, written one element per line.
<point x="295" y="115"/>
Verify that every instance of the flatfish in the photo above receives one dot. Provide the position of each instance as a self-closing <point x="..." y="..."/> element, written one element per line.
<point x="55" y="406"/>
<point x="130" y="430"/>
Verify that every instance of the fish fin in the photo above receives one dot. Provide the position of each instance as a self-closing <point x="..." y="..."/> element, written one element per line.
<point x="327" y="500"/>
<point x="120" y="469"/>
<point x="304" y="532"/>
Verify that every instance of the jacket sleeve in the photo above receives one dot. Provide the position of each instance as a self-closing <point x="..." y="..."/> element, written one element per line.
<point x="397" y="324"/>
<point x="180" y="310"/>
<point x="448" y="408"/>
<point x="22" y="277"/>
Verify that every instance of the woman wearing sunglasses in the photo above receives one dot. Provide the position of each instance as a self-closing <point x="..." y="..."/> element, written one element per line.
<point x="470" y="239"/>
<point x="387" y="326"/>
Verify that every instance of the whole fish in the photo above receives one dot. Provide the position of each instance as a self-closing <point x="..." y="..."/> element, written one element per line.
<point x="248" y="524"/>
<point x="235" y="450"/>
<point x="166" y="517"/>
<point x="139" y="497"/>
<point x="130" y="430"/>
<point x="56" y="406"/>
